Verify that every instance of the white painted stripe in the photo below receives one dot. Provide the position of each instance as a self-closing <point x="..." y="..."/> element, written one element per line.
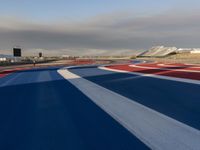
<point x="194" y="64"/>
<point x="156" y="130"/>
<point x="167" y="69"/>
<point x="153" y="76"/>
<point x="168" y="65"/>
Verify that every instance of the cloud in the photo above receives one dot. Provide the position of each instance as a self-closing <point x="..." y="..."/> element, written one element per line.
<point x="113" y="34"/>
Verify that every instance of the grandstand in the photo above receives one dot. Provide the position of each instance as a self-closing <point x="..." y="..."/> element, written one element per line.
<point x="158" y="51"/>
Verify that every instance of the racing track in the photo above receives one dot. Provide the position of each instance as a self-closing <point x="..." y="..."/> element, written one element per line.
<point x="48" y="109"/>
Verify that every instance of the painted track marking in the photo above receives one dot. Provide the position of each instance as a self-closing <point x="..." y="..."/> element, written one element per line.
<point x="181" y="70"/>
<point x="191" y="81"/>
<point x="156" y="130"/>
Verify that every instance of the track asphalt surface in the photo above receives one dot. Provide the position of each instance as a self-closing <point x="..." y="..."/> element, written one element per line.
<point x="39" y="109"/>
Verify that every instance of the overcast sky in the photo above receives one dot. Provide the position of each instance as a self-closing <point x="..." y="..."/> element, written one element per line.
<point x="97" y="27"/>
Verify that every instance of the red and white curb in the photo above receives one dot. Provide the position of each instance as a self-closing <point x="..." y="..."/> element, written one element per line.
<point x="153" y="75"/>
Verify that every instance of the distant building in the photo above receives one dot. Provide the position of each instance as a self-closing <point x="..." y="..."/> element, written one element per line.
<point x="189" y="50"/>
<point x="184" y="50"/>
<point x="195" y="51"/>
<point x="40" y="54"/>
<point x="161" y="51"/>
<point x="65" y="56"/>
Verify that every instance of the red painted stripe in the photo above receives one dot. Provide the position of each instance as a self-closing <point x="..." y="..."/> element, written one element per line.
<point x="170" y="73"/>
<point x="7" y="72"/>
<point x="173" y="66"/>
<point x="4" y="73"/>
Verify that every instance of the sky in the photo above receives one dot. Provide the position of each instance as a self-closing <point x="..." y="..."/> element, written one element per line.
<point x="97" y="27"/>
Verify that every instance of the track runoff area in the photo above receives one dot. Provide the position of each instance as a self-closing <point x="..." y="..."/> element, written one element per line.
<point x="121" y="106"/>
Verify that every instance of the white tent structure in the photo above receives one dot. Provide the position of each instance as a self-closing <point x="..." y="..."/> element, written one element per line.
<point x="8" y="58"/>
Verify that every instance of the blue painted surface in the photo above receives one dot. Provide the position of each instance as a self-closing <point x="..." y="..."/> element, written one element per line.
<point x="138" y="61"/>
<point x="39" y="110"/>
<point x="178" y="100"/>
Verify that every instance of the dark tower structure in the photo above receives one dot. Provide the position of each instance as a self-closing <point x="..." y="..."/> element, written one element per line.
<point x="40" y="54"/>
<point x="17" y="52"/>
